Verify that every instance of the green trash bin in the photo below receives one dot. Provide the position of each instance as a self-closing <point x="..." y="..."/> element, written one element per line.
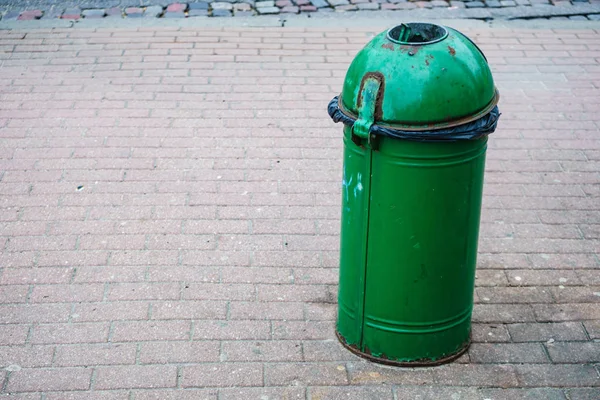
<point x="418" y="103"/>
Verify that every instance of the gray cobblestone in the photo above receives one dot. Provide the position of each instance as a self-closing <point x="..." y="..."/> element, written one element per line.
<point x="221" y="6"/>
<point x="174" y="14"/>
<point x="268" y="10"/>
<point x="98" y="13"/>
<point x="474" y="4"/>
<point x="264" y="4"/>
<point x="198" y="6"/>
<point x="346" y="7"/>
<point x="198" y="13"/>
<point x="368" y="6"/>
<point x="338" y="2"/>
<point x="114" y="12"/>
<point x="242" y="7"/>
<point x="153" y="11"/>
<point x="11" y="16"/>
<point x="221" y="13"/>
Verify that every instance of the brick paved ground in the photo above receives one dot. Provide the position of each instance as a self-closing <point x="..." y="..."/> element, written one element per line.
<point x="170" y="207"/>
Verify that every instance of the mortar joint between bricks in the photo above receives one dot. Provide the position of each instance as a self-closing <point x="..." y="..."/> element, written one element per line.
<point x="53" y="359"/>
<point x="93" y="379"/>
<point x="585" y="331"/>
<point x="182" y="287"/>
<point x="105" y="292"/>
<point x="5" y="382"/>
<point x="192" y="329"/>
<point x="111" y="331"/>
<point x="178" y="373"/>
<point x="29" y="292"/>
<point x="138" y="351"/>
<point x="546" y="352"/>
<point x="29" y="334"/>
<point x="72" y="312"/>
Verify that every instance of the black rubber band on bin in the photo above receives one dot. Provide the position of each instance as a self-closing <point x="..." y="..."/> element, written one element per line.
<point x="469" y="131"/>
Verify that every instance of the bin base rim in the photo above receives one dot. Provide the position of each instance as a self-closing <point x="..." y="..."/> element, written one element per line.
<point x="416" y="363"/>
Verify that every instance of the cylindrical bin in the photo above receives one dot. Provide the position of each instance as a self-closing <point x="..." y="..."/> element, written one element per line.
<point x="417" y="103"/>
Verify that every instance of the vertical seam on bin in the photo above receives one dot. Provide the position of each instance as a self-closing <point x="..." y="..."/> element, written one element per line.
<point x="366" y="223"/>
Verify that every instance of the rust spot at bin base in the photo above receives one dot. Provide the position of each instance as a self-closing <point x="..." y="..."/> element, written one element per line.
<point x="452" y="51"/>
<point x="416" y="363"/>
<point x="388" y="46"/>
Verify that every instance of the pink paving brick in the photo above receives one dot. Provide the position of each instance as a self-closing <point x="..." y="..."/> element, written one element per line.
<point x="176" y="7"/>
<point x="33" y="380"/>
<point x="159" y="376"/>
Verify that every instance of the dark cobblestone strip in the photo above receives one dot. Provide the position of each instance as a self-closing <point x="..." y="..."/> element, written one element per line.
<point x="228" y="8"/>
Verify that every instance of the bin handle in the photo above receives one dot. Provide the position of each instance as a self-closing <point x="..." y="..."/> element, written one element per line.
<point x="368" y="104"/>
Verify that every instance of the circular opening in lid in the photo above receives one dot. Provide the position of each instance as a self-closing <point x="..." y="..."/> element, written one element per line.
<point x="416" y="33"/>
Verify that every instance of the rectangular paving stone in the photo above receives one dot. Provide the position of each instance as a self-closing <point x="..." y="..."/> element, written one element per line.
<point x="364" y="373"/>
<point x="198" y="6"/>
<point x="153" y="12"/>
<point x="583" y="393"/>
<point x="94" y="13"/>
<point x="536" y="375"/>
<point x="174" y="14"/>
<point x="114" y="12"/>
<point x="500" y="353"/>
<point x="268" y="10"/>
<point x="474" y="4"/>
<point x="592" y="328"/>
<point x="574" y="352"/>
<point x="177" y="7"/>
<point x="31" y="15"/>
<point x="288" y="393"/>
<point x="179" y="352"/>
<point x="525" y="394"/>
<point x="484" y="375"/>
<point x="26" y="357"/>
<point x="95" y="354"/>
<point x="312" y="374"/>
<point x="138" y="377"/>
<point x="71" y="13"/>
<point x="222" y="375"/>
<point x="435" y="392"/>
<point x="11" y="16"/>
<point x="368" y="6"/>
<point x="541" y="332"/>
<point x="37" y="380"/>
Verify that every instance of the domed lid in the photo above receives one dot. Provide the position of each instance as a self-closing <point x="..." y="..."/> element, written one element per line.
<point x="419" y="77"/>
